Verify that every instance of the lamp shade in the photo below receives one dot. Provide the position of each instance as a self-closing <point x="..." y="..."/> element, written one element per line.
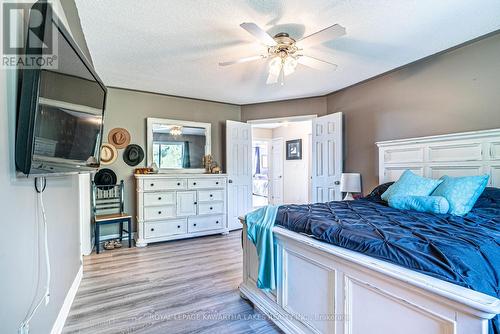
<point x="350" y="182"/>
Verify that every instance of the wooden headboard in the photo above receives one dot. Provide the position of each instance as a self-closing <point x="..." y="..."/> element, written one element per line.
<point x="458" y="154"/>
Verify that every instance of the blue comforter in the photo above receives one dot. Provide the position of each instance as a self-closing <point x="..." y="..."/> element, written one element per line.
<point x="461" y="250"/>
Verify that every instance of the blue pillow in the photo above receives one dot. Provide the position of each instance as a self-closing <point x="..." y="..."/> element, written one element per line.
<point x="432" y="204"/>
<point x="410" y="184"/>
<point x="461" y="192"/>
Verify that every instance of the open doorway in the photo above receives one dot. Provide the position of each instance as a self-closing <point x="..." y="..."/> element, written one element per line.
<point x="281" y="161"/>
<point x="321" y="162"/>
<point x="260" y="172"/>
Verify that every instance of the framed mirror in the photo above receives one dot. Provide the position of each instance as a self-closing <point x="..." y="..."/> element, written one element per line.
<point x="178" y="146"/>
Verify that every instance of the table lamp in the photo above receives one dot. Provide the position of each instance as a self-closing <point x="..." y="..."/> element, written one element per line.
<point x="350" y="183"/>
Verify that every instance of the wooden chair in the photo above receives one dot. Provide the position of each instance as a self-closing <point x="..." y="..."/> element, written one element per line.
<point x="107" y="208"/>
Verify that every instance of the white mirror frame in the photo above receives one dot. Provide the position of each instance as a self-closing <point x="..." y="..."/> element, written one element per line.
<point x="208" y="141"/>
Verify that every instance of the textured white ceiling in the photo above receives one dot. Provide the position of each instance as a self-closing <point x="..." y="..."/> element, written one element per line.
<point x="174" y="46"/>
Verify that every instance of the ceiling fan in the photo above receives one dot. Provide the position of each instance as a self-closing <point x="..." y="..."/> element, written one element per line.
<point x="285" y="52"/>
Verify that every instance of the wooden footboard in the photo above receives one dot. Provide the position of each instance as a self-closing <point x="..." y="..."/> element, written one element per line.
<point x="327" y="289"/>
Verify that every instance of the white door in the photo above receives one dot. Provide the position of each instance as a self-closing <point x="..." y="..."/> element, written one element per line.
<point x="239" y="170"/>
<point x="277" y="156"/>
<point x="327" y="164"/>
<point x="186" y="203"/>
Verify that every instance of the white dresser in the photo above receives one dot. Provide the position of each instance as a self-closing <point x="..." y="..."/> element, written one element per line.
<point x="177" y="206"/>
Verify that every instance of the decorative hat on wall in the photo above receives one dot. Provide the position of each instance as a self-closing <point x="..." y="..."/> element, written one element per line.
<point x="133" y="155"/>
<point x="108" y="154"/>
<point x="105" y="177"/>
<point x="119" y="137"/>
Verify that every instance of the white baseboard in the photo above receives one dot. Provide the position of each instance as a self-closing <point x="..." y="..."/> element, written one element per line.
<point x="70" y="296"/>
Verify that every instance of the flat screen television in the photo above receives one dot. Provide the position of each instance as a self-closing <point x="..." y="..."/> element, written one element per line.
<point x="61" y="108"/>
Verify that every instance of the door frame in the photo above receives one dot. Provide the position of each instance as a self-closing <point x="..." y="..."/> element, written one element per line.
<point x="283" y="119"/>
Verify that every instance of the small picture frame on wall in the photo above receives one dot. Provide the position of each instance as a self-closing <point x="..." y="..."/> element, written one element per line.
<point x="294" y="149"/>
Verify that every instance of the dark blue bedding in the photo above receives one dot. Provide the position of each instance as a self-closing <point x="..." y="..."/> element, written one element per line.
<point x="461" y="250"/>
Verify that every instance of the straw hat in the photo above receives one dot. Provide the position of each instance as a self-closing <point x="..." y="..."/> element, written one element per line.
<point x="119" y="137"/>
<point x="108" y="154"/>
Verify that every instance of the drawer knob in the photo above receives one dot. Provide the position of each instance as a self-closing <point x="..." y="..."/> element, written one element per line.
<point x="217" y="222"/>
<point x="211" y="195"/>
<point x="178" y="226"/>
<point x="178" y="183"/>
<point x="194" y="183"/>
<point x="152" y="184"/>
<point x="211" y="208"/>
<point x="217" y="182"/>
<point x="195" y="203"/>
<point x="159" y="212"/>
<point x="152" y="229"/>
<point x="159" y="198"/>
<point x="194" y="224"/>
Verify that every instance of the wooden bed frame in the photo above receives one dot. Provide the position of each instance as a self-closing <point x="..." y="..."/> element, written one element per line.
<point x="323" y="288"/>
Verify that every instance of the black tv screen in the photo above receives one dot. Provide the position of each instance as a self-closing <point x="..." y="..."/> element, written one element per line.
<point x="61" y="107"/>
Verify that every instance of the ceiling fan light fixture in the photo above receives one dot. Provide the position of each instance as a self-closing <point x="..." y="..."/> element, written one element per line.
<point x="283" y="51"/>
<point x="275" y="66"/>
<point x="289" y="65"/>
<point x="176" y="131"/>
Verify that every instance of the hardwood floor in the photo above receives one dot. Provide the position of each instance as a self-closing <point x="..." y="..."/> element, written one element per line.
<point x="186" y="286"/>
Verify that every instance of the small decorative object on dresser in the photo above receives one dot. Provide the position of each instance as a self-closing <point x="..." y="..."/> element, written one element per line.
<point x="207" y="162"/>
<point x="178" y="206"/>
<point x="350" y="183"/>
<point x="154" y="168"/>
<point x="216" y="169"/>
<point x="144" y="170"/>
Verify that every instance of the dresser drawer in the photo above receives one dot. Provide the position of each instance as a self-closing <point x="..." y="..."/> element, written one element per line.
<point x="159" y="212"/>
<point x="165" y="184"/>
<point x="165" y="228"/>
<point x="198" y="224"/>
<point x="163" y="198"/>
<point x="210" y="208"/>
<point x="210" y="195"/>
<point x="215" y="182"/>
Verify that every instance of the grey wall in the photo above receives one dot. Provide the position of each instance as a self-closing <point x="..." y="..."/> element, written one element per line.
<point x="21" y="225"/>
<point x="452" y="92"/>
<point x="129" y="109"/>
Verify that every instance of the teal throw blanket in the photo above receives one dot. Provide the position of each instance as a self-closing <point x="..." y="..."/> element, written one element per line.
<point x="260" y="225"/>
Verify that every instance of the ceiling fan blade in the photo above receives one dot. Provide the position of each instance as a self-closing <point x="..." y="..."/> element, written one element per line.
<point x="316" y="63"/>
<point x="321" y="36"/>
<point x="241" y="60"/>
<point x="258" y="33"/>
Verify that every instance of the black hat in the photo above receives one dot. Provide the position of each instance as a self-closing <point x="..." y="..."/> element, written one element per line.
<point x="133" y="155"/>
<point x="105" y="177"/>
